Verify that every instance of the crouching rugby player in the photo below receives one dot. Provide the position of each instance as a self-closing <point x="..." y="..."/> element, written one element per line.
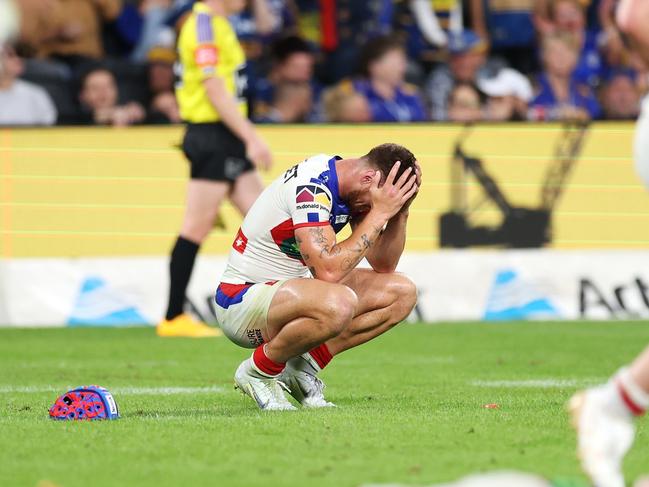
<point x="294" y="294"/>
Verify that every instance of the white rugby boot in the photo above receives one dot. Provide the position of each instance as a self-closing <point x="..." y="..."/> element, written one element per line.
<point x="604" y="436"/>
<point x="268" y="392"/>
<point x="303" y="383"/>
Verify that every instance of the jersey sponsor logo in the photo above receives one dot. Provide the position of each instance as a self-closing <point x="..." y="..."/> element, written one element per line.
<point x="342" y="218"/>
<point x="206" y="56"/>
<point x="312" y="206"/>
<point x="311" y="193"/>
<point x="313" y="217"/>
<point x="240" y="242"/>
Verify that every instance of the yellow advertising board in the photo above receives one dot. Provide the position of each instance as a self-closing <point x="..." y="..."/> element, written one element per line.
<point x="106" y="192"/>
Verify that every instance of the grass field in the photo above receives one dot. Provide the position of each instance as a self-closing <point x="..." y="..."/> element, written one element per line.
<point x="411" y="408"/>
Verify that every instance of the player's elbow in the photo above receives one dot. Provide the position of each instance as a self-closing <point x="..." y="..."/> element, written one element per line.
<point x="383" y="265"/>
<point x="327" y="275"/>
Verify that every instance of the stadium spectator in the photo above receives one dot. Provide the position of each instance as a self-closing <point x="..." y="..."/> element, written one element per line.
<point x="76" y="27"/>
<point x="508" y="94"/>
<point x="161" y="70"/>
<point x="146" y="28"/>
<point x="615" y="51"/>
<point x="507" y="27"/>
<point x="426" y="25"/>
<point x="292" y="62"/>
<point x="560" y="94"/>
<point x="345" y="26"/>
<point x="39" y="23"/>
<point x="620" y="97"/>
<point x="383" y="65"/>
<point x="344" y="105"/>
<point x="292" y="103"/>
<point x="163" y="107"/>
<point x="99" y="100"/>
<point x="260" y="20"/>
<point x="467" y="64"/>
<point x="569" y="17"/>
<point x="21" y="103"/>
<point x="465" y="104"/>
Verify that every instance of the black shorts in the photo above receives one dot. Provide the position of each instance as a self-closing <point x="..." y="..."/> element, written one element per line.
<point x="215" y="153"/>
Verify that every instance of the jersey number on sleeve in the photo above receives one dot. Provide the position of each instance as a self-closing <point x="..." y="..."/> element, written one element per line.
<point x="290" y="174"/>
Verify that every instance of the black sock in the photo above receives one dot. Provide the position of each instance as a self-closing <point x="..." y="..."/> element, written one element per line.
<point x="180" y="270"/>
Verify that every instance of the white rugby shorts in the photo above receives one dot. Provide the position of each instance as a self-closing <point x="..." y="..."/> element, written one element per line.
<point x="242" y="311"/>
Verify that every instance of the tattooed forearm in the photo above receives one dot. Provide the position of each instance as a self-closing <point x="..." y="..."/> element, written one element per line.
<point x="347" y="254"/>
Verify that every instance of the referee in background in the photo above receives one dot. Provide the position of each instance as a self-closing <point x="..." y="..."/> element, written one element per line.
<point x="220" y="143"/>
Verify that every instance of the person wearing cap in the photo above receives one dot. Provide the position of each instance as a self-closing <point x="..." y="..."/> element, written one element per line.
<point x="383" y="66"/>
<point x="508" y="94"/>
<point x="467" y="64"/>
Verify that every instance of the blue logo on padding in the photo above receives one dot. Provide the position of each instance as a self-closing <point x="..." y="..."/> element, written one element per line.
<point x="511" y="298"/>
<point x="100" y="305"/>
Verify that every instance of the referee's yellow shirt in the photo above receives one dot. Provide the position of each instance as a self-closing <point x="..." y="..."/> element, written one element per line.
<point x="208" y="47"/>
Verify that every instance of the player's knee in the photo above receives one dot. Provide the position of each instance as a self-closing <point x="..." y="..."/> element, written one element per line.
<point x="341" y="304"/>
<point x="405" y="295"/>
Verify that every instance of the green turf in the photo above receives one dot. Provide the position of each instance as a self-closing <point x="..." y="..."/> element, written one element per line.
<point x="409" y="408"/>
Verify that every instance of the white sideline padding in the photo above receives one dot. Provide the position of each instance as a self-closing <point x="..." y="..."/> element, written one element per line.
<point x="454" y="285"/>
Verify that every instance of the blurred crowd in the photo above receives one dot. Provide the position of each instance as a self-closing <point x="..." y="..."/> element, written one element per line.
<point x="111" y="62"/>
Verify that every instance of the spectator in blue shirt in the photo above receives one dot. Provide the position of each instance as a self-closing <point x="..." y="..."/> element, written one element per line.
<point x="383" y="66"/>
<point x="620" y="96"/>
<point x="260" y="19"/>
<point x="292" y="61"/>
<point x="508" y="28"/>
<point x="467" y="64"/>
<point x="426" y="24"/>
<point x="569" y="17"/>
<point x="292" y="103"/>
<point x="560" y="94"/>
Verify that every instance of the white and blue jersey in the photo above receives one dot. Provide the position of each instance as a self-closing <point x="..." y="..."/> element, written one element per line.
<point x="265" y="249"/>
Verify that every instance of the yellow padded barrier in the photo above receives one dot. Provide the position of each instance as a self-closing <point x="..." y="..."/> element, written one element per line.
<point x="104" y="191"/>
